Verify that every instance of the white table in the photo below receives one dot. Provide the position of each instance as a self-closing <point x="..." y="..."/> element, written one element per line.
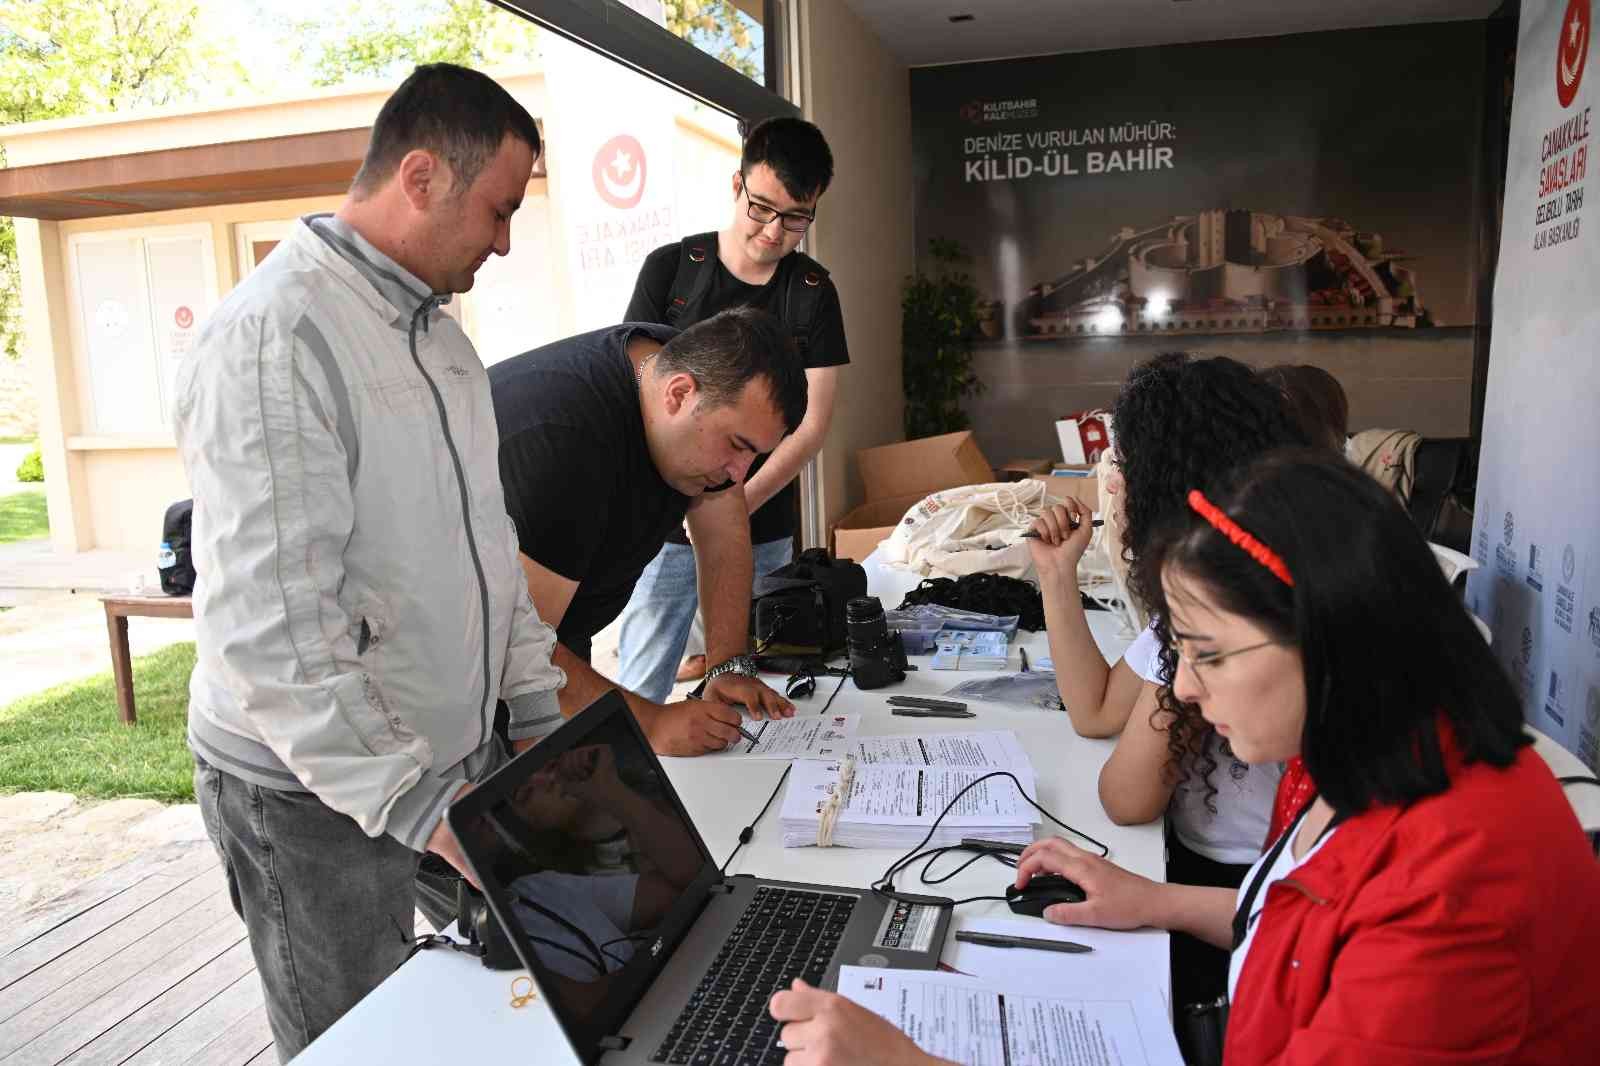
<point x="442" y="1006"/>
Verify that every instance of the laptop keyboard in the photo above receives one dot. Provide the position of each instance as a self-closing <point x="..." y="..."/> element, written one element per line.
<point x="784" y="933"/>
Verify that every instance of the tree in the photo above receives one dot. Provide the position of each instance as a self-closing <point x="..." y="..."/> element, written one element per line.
<point x="75" y="57"/>
<point x="719" y="28"/>
<point x="364" y="40"/>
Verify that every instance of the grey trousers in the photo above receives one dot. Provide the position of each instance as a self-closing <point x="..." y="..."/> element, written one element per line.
<point x="328" y="908"/>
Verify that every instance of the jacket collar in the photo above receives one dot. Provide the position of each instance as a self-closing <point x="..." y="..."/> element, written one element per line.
<point x="1327" y="874"/>
<point x="394" y="291"/>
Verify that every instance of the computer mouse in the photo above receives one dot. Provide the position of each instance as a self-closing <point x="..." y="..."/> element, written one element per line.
<point x="1041" y="891"/>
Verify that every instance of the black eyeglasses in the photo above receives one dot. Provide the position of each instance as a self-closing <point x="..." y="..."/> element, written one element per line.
<point x="793" y="221"/>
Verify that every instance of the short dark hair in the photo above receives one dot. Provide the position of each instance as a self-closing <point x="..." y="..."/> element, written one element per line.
<point x="732" y="348"/>
<point x="795" y="150"/>
<point x="458" y="114"/>
<point x="1316" y="400"/>
<point x="1388" y="648"/>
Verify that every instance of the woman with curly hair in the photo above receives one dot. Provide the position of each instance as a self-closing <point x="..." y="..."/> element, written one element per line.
<point x="1179" y="423"/>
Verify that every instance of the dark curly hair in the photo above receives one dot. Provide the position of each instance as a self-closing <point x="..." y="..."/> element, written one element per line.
<point x="1184" y="423"/>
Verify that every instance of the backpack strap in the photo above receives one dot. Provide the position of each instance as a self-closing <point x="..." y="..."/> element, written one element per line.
<point x="696" y="264"/>
<point x="807" y="278"/>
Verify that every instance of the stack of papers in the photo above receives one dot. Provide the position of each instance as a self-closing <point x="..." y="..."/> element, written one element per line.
<point x="970" y="649"/>
<point x="898" y="786"/>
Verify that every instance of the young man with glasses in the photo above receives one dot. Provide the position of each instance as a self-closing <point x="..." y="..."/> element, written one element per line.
<point x="752" y="261"/>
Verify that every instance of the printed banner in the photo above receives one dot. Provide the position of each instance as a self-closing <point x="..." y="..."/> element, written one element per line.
<point x="1537" y="529"/>
<point x="1308" y="199"/>
<point x="612" y="135"/>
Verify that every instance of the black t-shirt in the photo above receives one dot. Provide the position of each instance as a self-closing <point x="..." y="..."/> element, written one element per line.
<point x="775" y="519"/>
<point x="581" y="488"/>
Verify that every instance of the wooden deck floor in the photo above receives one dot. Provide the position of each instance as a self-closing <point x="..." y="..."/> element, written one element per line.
<point x="146" y="964"/>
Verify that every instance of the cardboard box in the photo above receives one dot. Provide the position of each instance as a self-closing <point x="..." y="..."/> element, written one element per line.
<point x="918" y="467"/>
<point x="858" y="532"/>
<point x="896" y="477"/>
<point x="1077" y="480"/>
<point x="1021" y="469"/>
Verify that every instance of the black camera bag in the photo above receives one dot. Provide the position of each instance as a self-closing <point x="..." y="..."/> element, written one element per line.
<point x="799" y="607"/>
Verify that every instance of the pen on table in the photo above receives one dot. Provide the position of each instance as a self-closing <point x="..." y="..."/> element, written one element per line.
<point x="996" y="940"/>
<point x="930" y="712"/>
<point x="1028" y="534"/>
<point x="1024" y="653"/>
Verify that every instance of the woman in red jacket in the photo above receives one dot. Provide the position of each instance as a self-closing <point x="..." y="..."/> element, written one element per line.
<point x="1436" y="903"/>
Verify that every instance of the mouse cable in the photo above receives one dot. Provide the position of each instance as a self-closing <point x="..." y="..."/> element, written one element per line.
<point x="884" y="886"/>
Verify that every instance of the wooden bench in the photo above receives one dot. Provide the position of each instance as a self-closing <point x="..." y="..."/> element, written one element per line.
<point x="118" y="610"/>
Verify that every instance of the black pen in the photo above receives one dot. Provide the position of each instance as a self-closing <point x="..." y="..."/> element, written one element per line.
<point x="1028" y="534"/>
<point x="1024" y="653"/>
<point x="743" y="732"/>
<point x="996" y="940"/>
<point x="930" y="712"/>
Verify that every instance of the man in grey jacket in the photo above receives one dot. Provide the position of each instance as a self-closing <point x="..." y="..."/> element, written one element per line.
<point x="359" y="606"/>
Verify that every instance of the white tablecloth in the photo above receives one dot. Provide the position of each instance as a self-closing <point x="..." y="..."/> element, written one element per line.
<point x="441" y="1006"/>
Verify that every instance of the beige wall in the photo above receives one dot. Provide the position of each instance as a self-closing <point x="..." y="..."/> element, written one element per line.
<point x="860" y="95"/>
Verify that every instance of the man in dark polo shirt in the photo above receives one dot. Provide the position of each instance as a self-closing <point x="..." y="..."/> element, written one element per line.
<point x="753" y="261"/>
<point x="608" y="441"/>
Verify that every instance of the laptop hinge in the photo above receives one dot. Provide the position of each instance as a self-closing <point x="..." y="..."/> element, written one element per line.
<point x="723" y="887"/>
<point x="614" y="1043"/>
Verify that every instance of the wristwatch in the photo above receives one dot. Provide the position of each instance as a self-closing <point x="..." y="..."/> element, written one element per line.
<point x="743" y="665"/>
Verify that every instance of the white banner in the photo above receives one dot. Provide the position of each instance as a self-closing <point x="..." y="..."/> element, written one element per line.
<point x="612" y="135"/>
<point x="1537" y="531"/>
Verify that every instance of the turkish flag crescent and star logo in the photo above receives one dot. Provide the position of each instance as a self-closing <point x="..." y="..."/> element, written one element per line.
<point x="1572" y="54"/>
<point x="619" y="171"/>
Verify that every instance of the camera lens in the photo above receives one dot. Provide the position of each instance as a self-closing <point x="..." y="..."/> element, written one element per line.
<point x="863" y="609"/>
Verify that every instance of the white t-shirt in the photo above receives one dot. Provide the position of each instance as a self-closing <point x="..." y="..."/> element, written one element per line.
<point x="1233" y="834"/>
<point x="1284" y="865"/>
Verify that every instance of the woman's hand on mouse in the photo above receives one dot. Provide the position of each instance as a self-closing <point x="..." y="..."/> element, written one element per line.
<point x="1113" y="897"/>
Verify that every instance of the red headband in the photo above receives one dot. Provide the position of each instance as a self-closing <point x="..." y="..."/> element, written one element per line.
<point x="1230" y="529"/>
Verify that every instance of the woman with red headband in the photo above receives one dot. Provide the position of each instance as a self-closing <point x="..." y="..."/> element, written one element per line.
<point x="1434" y="905"/>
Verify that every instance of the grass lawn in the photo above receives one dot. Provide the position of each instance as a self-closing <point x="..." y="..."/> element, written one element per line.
<point x="22" y="516"/>
<point x="69" y="739"/>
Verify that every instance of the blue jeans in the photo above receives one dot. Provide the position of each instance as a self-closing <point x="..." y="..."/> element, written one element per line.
<point x="656" y="622"/>
<point x="328" y="908"/>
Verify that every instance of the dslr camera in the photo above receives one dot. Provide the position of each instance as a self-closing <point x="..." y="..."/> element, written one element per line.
<point x="877" y="655"/>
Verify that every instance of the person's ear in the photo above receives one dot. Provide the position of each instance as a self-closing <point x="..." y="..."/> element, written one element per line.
<point x="681" y="392"/>
<point x="738" y="184"/>
<point x="423" y="178"/>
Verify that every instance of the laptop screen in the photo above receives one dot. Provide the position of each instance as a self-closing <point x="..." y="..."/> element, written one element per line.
<point x="584" y="843"/>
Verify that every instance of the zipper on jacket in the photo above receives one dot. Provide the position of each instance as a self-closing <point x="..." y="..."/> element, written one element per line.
<point x="466" y="510"/>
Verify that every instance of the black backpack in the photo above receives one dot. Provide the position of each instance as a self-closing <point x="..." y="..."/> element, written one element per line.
<point x="696" y="267"/>
<point x="177" y="578"/>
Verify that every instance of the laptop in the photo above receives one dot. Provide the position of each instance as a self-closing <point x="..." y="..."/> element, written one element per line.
<point x="644" y="951"/>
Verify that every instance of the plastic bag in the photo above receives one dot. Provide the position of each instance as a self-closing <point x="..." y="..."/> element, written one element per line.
<point x="1034" y="691"/>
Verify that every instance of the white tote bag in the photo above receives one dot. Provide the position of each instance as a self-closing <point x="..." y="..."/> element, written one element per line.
<point x="974" y="529"/>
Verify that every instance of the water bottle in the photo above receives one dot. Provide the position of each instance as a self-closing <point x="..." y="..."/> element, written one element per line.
<point x="166" y="558"/>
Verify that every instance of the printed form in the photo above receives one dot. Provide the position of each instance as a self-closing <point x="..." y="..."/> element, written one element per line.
<point x="997" y="749"/>
<point x="801" y="737"/>
<point x="987" y="1023"/>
